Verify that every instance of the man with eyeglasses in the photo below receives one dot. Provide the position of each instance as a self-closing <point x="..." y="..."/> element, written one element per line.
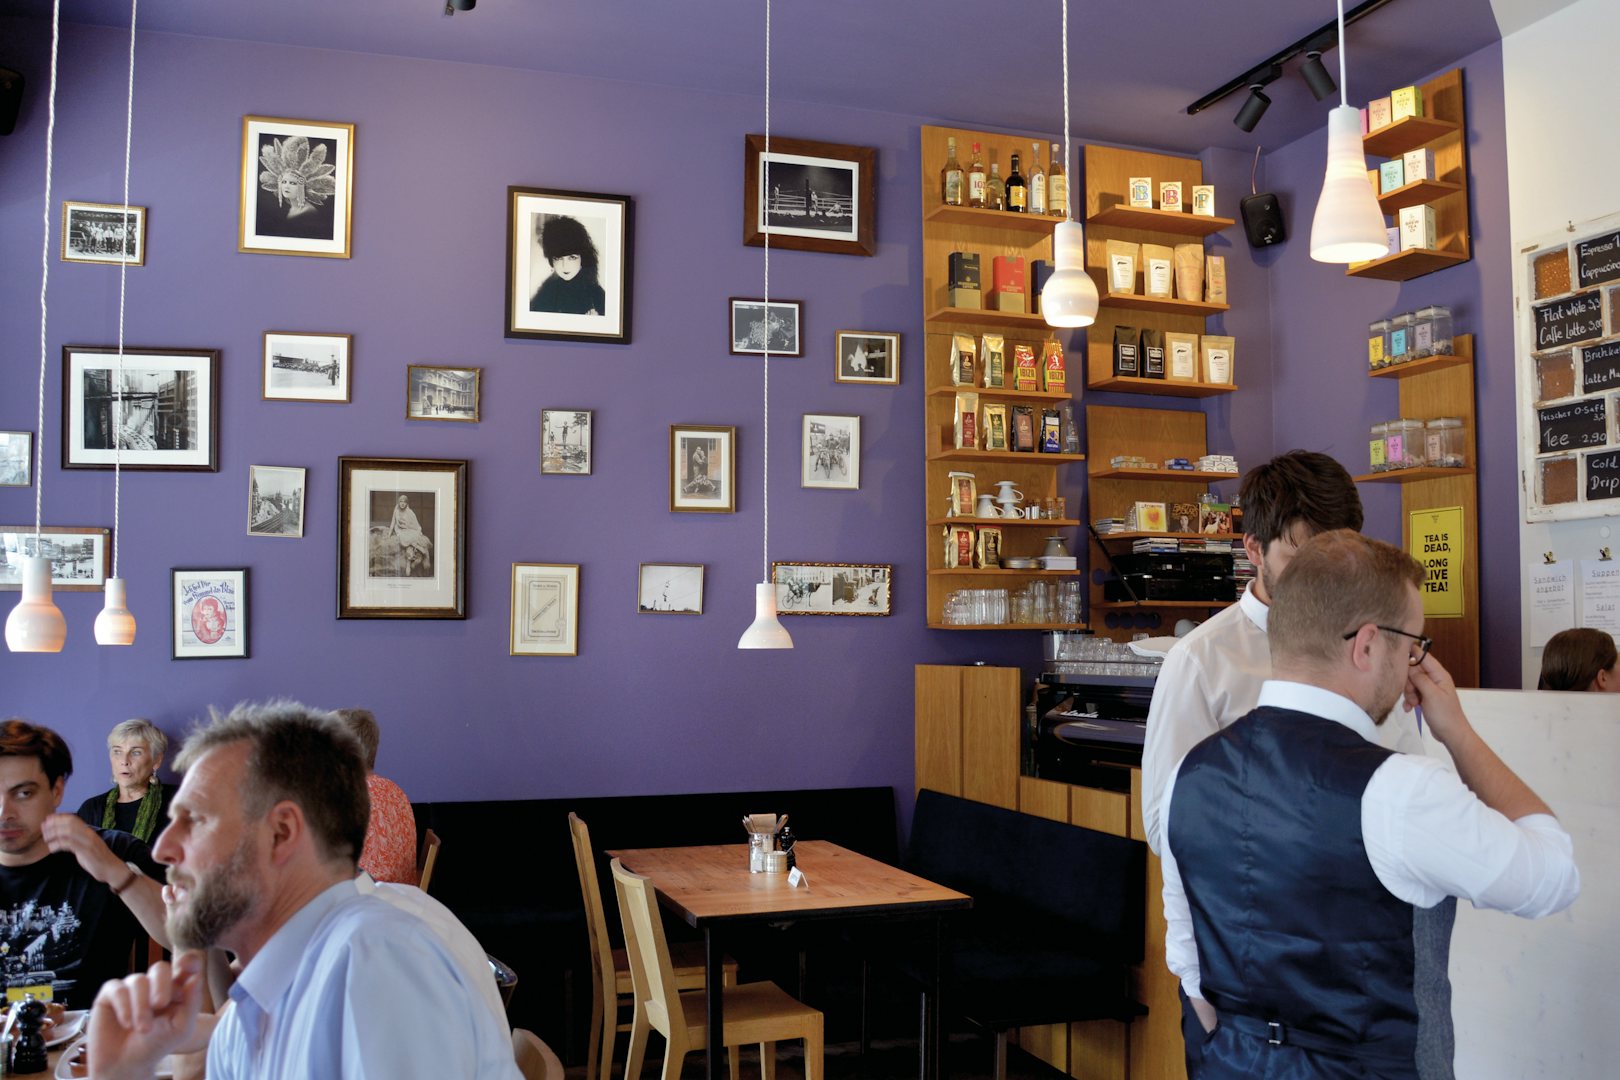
<point x="1298" y="852"/>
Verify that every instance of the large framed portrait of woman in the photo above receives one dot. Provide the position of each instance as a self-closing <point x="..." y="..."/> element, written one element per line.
<point x="297" y="187"/>
<point x="568" y="265"/>
<point x="402" y="538"/>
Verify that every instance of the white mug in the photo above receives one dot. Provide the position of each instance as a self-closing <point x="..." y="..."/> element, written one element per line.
<point x="1008" y="493"/>
<point x="986" y="508"/>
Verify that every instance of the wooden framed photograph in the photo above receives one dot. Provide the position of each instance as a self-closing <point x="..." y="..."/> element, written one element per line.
<point x="442" y="393"/>
<point x="103" y="233"/>
<point x="306" y="367"/>
<point x="702" y="469"/>
<point x="545" y="609"/>
<point x="16" y="458"/>
<point x="832" y="588"/>
<point x="81" y="558"/>
<point x="565" y="442"/>
<point x="670" y="589"/>
<point x="210" y="614"/>
<point x="866" y="357"/>
<point x="811" y="196"/>
<point x="275" y="500"/>
<point x="169" y="414"/>
<point x="568" y="264"/>
<point x="831" y="453"/>
<point x="297" y="187"/>
<point x="750" y="327"/>
<point x="402" y="538"/>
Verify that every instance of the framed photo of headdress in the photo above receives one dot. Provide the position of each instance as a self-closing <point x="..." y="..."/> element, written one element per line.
<point x="568" y="265"/>
<point x="297" y="187"/>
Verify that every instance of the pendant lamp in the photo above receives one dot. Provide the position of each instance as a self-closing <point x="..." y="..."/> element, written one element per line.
<point x="766" y="632"/>
<point x="1069" y="298"/>
<point x="1348" y="226"/>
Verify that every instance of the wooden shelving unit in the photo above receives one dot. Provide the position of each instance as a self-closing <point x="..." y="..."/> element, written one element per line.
<point x="1160" y="304"/>
<point x="1419" y="367"/>
<point x="1009" y="523"/>
<point x="1130" y="384"/>
<point x="1035" y="324"/>
<point x="1403" y="136"/>
<point x="1410" y="476"/>
<point x="1109" y="537"/>
<point x="1118" y="216"/>
<point x="1415" y="194"/>
<point x="1164" y="476"/>
<point x="1005" y="457"/>
<point x="973" y="217"/>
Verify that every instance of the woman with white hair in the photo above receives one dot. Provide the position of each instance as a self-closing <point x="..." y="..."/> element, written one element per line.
<point x="138" y="803"/>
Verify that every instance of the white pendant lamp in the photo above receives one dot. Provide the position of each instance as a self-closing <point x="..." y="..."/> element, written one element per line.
<point x="1348" y="226"/>
<point x="766" y="632"/>
<point x="1069" y="297"/>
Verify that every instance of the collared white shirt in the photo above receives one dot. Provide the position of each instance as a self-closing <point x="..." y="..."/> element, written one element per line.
<point x="455" y="937"/>
<point x="1427" y="837"/>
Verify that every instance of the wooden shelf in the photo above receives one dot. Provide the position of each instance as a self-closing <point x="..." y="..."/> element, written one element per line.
<point x="1109" y="537"/>
<point x="1005" y="457"/>
<point x="1130" y="384"/>
<point x="1415" y="194"/>
<point x="1120" y="605"/>
<point x="1407" y="476"/>
<point x="1136" y="302"/>
<point x="1409" y="133"/>
<point x="1001" y="392"/>
<point x="1406" y="265"/>
<point x="1166" y="475"/>
<point x="1000" y="572"/>
<point x="1166" y="221"/>
<point x="993" y="219"/>
<point x="1011" y="626"/>
<point x="988" y="317"/>
<point x="1418" y="367"/>
<point x="1056" y="523"/>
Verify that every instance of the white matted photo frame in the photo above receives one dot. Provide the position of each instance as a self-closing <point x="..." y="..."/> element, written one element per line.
<point x="301" y="366"/>
<point x="811" y="196"/>
<point x="442" y="393"/>
<point x="169" y="418"/>
<point x="832" y="588"/>
<point x="565" y="441"/>
<point x="103" y="233"/>
<point x="864" y="356"/>
<point x="297" y="187"/>
<point x="276" y="500"/>
<point x="402" y="538"/>
<point x="568" y="264"/>
<point x="702" y="469"/>
<point x="830" y="454"/>
<point x="209" y="609"/>
<point x="545" y="610"/>
<point x="749" y="327"/>
<point x="16" y="458"/>
<point x="670" y="589"/>
<point x="81" y="558"/>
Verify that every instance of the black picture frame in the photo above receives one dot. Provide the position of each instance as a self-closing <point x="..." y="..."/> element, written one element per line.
<point x="604" y="224"/>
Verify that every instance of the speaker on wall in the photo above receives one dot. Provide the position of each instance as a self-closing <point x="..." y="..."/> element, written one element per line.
<point x="11" y="86"/>
<point x="1263" y="220"/>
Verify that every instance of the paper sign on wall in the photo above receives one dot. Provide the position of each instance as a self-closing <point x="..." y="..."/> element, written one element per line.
<point x="1600" y="595"/>
<point x="1435" y="539"/>
<point x="1552" y="600"/>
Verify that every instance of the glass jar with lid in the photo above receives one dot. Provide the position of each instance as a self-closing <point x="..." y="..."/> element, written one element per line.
<point x="1442" y="332"/>
<point x="1444" y="442"/>
<point x="1375" y="447"/>
<point x="1378" y="344"/>
<point x="1403" y="444"/>
<point x="1400" y="339"/>
<point x="1422" y="343"/>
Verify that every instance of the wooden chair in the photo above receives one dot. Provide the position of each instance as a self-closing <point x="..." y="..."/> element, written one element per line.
<point x="611" y="984"/>
<point x="426" y="859"/>
<point x="759" y="1012"/>
<point x="534" y="1058"/>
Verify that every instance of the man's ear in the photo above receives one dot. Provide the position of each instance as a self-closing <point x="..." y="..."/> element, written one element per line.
<point x="1361" y="647"/>
<point x="287" y="829"/>
<point x="1254" y="549"/>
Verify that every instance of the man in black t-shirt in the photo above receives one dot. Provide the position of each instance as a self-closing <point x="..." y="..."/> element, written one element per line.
<point x="73" y="899"/>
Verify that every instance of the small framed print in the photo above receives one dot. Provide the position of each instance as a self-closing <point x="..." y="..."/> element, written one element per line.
<point x="297" y="187"/>
<point x="103" y="233"/>
<point x="402" y="538"/>
<point x="306" y="367"/>
<point x="812" y="196"/>
<point x="832" y="588"/>
<point x="16" y="458"/>
<point x="565" y="442"/>
<point x="210" y="614"/>
<point x="164" y="403"/>
<point x="441" y="393"/>
<point x="702" y="469"/>
<point x="81" y="559"/>
<point x="831" y="455"/>
<point x="568" y="265"/>
<point x="275" y="501"/>
<point x="545" y="609"/>
<point x="750" y="327"/>
<point x="670" y="589"/>
<point x="865" y="357"/>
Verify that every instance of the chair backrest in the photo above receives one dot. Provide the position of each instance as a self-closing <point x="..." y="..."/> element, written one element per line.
<point x="651" y="971"/>
<point x="534" y="1058"/>
<point x="428" y="858"/>
<point x="591" y="889"/>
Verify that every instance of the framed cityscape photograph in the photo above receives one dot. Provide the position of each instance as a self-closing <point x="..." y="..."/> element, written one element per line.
<point x="306" y="366"/>
<point x="565" y="442"/>
<point x="16" y="458"/>
<point x="702" y="469"/>
<point x="568" y="264"/>
<point x="402" y="538"/>
<point x="441" y="393"/>
<point x="164" y="404"/>
<point x="275" y="500"/>
<point x="865" y="357"/>
<point x="831" y="453"/>
<point x="81" y="558"/>
<point x="832" y="588"/>
<point x="545" y="609"/>
<point x="808" y="195"/>
<point x="670" y="589"/>
<point x="297" y="187"/>
<point x="209" y="614"/>
<point x="103" y="233"/>
<point x="750" y="327"/>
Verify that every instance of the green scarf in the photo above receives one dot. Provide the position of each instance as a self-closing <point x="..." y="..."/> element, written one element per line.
<point x="146" y="818"/>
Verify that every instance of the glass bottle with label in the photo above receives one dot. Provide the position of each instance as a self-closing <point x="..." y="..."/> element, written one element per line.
<point x="951" y="176"/>
<point x="976" y="181"/>
<point x="1057" y="186"/>
<point x="1017" y="189"/>
<point x="995" y="189"/>
<point x="1037" y="181"/>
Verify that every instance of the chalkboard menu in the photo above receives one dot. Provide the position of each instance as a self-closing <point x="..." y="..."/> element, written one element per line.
<point x="1597" y="260"/>
<point x="1566" y="321"/>
<point x="1600" y="367"/>
<point x="1573" y="426"/>
<point x="1603" y="475"/>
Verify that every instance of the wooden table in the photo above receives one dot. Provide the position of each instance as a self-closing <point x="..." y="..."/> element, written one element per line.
<point x="710" y="888"/>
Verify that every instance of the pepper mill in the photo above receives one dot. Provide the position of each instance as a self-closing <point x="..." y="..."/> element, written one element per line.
<point x="28" y="1042"/>
<point x="784" y="842"/>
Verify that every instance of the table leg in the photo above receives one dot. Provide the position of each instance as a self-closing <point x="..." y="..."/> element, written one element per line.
<point x="931" y="1008"/>
<point x="714" y="991"/>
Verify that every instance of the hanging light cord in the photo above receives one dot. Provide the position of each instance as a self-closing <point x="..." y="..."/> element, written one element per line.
<point x="44" y="280"/>
<point x="1068" y="192"/>
<point x="1344" y="98"/>
<point x="765" y="320"/>
<point x="123" y="271"/>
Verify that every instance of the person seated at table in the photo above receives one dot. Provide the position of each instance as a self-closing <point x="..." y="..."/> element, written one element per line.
<point x="138" y="802"/>
<point x="1580" y="659"/>
<point x="73" y="899"/>
<point x="390" y="850"/>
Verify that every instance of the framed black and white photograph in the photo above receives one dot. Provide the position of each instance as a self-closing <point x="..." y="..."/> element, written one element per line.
<point x="702" y="469"/>
<point x="307" y="366"/>
<point x="103" y="233"/>
<point x="297" y="187"/>
<point x="866" y="357"/>
<point x="163" y="403"/>
<point x="808" y="195"/>
<point x="442" y="393"/>
<point x="275" y="500"/>
<point x="210" y="614"/>
<point x="831" y="453"/>
<point x="751" y="328"/>
<point x="670" y="589"/>
<point x="81" y="558"/>
<point x="832" y="588"/>
<point x="565" y="442"/>
<point x="402" y="538"/>
<point x="16" y="458"/>
<point x="545" y="609"/>
<point x="568" y="265"/>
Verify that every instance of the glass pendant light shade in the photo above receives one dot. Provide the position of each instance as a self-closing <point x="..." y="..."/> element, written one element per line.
<point x="1069" y="297"/>
<point x="765" y="632"/>
<point x="36" y="624"/>
<point x="115" y="625"/>
<point x="1349" y="226"/>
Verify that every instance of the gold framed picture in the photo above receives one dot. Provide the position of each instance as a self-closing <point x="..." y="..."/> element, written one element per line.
<point x="832" y="588"/>
<point x="702" y="469"/>
<point x="297" y="187"/>
<point x="103" y="233"/>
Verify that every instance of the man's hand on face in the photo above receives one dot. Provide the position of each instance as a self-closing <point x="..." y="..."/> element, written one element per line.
<point x="1429" y="685"/>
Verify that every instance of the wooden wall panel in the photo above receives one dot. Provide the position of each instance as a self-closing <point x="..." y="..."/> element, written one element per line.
<point x="938" y="721"/>
<point x="990" y="713"/>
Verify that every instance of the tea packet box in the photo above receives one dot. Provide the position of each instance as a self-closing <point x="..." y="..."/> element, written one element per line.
<point x="1378" y="113"/>
<point x="1407" y="101"/>
<point x="1203" y="200"/>
<point x="963" y="280"/>
<point x="1418" y="164"/>
<point x="1141" y="193"/>
<point x="1009" y="282"/>
<point x="1391" y="175"/>
<point x="1170" y="196"/>
<point x="1417" y="228"/>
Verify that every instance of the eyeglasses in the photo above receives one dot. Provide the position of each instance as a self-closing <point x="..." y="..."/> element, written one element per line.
<point x="1426" y="642"/>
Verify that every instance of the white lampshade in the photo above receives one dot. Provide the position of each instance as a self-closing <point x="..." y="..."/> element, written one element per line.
<point x="765" y="632"/>
<point x="1349" y="226"/>
<point x="115" y="625"/>
<point x="36" y="624"/>
<point x="1069" y="297"/>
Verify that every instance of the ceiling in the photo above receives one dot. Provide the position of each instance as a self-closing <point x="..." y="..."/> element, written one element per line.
<point x="961" y="61"/>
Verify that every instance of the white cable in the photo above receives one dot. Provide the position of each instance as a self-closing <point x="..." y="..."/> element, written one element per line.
<point x="765" y="199"/>
<point x="1068" y="190"/>
<point x="123" y="271"/>
<point x="1343" y="92"/>
<point x="44" y="280"/>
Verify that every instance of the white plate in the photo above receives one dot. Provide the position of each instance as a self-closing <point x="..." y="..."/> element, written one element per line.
<point x="165" y="1068"/>
<point x="70" y="1028"/>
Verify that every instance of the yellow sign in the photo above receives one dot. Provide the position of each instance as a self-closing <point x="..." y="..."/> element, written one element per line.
<point x="1435" y="539"/>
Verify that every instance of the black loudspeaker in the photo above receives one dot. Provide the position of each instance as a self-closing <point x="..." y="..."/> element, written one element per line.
<point x="11" y="86"/>
<point x="1263" y="220"/>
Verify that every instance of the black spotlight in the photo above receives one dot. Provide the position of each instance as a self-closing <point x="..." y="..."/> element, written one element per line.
<point x="453" y="6"/>
<point x="1317" y="77"/>
<point x="1253" y="109"/>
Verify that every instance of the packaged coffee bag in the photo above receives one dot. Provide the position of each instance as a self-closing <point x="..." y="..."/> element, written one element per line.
<point x="963" y="367"/>
<point x="1026" y="371"/>
<point x="1023" y="429"/>
<point x="989" y="547"/>
<point x="1180" y="356"/>
<point x="995" y="427"/>
<point x="959" y="543"/>
<point x="1189" y="260"/>
<point x="1122" y="258"/>
<point x="1219" y="359"/>
<point x="1051" y="432"/>
<point x="1156" y="260"/>
<point x="967" y="420"/>
<point x="993" y="357"/>
<point x="1215" y="279"/>
<point x="1152" y="354"/>
<point x="1126" y="360"/>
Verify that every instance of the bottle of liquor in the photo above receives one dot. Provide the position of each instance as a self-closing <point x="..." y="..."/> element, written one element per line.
<point x="1017" y="190"/>
<point x="1057" y="186"/>
<point x="1037" y="181"/>
<point x="951" y="176"/>
<point x="995" y="190"/>
<point x="976" y="181"/>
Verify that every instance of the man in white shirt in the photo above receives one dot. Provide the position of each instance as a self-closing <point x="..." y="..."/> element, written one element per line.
<point x="1297" y="852"/>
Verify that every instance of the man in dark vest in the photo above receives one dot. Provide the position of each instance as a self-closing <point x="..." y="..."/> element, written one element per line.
<point x="1296" y="850"/>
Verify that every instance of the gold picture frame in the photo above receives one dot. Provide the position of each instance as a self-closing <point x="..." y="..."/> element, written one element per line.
<point x="297" y="187"/>
<point x="443" y="393"/>
<point x="807" y="588"/>
<point x="698" y="483"/>
<point x="89" y="227"/>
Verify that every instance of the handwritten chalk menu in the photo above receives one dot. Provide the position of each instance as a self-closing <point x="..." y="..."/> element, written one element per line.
<point x="1600" y="367"/>
<point x="1566" y="321"/>
<point x="1603" y="475"/>
<point x="1597" y="260"/>
<point x="1573" y="426"/>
